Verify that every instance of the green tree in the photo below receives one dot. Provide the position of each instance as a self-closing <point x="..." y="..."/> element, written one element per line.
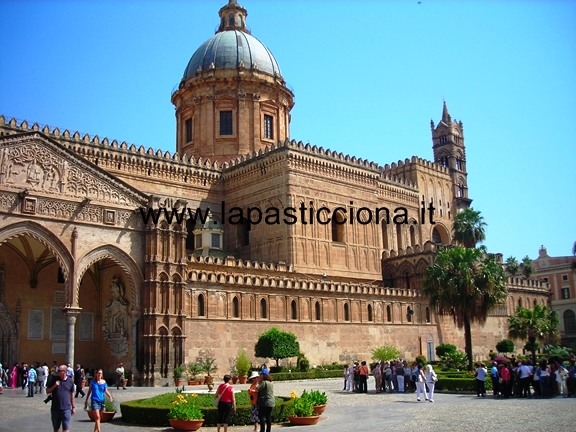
<point x="527" y="267"/>
<point x="277" y="344"/>
<point x="512" y="266"/>
<point x="385" y="352"/>
<point x="539" y="323"/>
<point x="468" y="228"/>
<point x="443" y="349"/>
<point x="465" y="284"/>
<point x="505" y="346"/>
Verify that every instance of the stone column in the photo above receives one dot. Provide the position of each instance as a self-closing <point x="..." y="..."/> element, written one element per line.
<point x="71" y="315"/>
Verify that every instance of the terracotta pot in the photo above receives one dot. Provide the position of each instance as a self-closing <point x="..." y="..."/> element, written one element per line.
<point x="304" y="420"/>
<point x="105" y="416"/>
<point x="186" y="425"/>
<point x="234" y="379"/>
<point x="177" y="383"/>
<point x="319" y="409"/>
<point x="242" y="379"/>
<point x="200" y="382"/>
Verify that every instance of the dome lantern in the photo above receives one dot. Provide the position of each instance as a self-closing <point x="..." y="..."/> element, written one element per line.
<point x="233" y="17"/>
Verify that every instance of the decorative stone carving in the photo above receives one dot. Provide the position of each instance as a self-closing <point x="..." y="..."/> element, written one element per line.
<point x="39" y="166"/>
<point x="242" y="95"/>
<point x="211" y="97"/>
<point x="115" y="323"/>
<point x="197" y="100"/>
<point x="256" y="96"/>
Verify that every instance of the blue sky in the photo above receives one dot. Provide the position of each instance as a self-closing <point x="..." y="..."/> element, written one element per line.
<point x="368" y="77"/>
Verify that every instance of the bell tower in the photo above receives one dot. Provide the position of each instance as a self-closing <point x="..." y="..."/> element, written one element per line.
<point x="450" y="151"/>
<point x="232" y="99"/>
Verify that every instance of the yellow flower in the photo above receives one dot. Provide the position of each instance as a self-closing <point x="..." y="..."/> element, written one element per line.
<point x="194" y="395"/>
<point x="293" y="395"/>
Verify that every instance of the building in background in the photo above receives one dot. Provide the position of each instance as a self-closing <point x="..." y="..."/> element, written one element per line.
<point x="558" y="272"/>
<point x="104" y="256"/>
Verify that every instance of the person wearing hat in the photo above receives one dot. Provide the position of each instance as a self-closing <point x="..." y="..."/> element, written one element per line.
<point x="253" y="393"/>
<point x="120" y="377"/>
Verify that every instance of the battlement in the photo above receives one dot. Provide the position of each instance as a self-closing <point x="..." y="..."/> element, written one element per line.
<point x="523" y="284"/>
<point x="415" y="160"/>
<point x="233" y="271"/>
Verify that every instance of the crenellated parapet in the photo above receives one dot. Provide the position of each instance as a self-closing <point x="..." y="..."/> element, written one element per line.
<point x="231" y="271"/>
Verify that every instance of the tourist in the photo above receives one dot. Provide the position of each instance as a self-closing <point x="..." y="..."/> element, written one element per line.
<point x="226" y="403"/>
<point x="545" y="385"/>
<point x="480" y="375"/>
<point x="420" y="383"/>
<point x="120" y="377"/>
<point x="504" y="375"/>
<point x="78" y="379"/>
<point x="363" y="372"/>
<point x="524" y="375"/>
<point x="98" y="390"/>
<point x="13" y="376"/>
<point x="400" y="377"/>
<point x="494" y="376"/>
<point x="561" y="377"/>
<point x="31" y="378"/>
<point x="431" y="379"/>
<point x="350" y="378"/>
<point x="253" y="393"/>
<point x="377" y="373"/>
<point x="266" y="402"/>
<point x="62" y="391"/>
<point x="345" y="377"/>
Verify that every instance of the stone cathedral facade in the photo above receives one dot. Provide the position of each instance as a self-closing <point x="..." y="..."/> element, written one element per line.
<point x="111" y="252"/>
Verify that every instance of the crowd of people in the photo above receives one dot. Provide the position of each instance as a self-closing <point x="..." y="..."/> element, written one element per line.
<point x="548" y="378"/>
<point x="394" y="377"/>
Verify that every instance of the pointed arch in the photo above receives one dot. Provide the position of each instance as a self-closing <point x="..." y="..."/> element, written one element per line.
<point x="235" y="307"/>
<point x="123" y="260"/>
<point x="317" y="311"/>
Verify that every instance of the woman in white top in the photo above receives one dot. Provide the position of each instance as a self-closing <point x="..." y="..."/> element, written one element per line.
<point x="420" y="386"/>
<point x="431" y="379"/>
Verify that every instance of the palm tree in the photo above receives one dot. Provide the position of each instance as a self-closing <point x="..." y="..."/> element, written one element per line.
<point x="512" y="266"/>
<point x="540" y="323"/>
<point x="573" y="265"/>
<point x="527" y="267"/>
<point x="468" y="228"/>
<point x="465" y="283"/>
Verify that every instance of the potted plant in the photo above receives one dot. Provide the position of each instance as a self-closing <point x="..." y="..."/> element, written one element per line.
<point x="234" y="374"/>
<point x="242" y="365"/>
<point x="193" y="369"/>
<point x="184" y="414"/>
<point x="318" y="399"/>
<point x="208" y="367"/>
<point x="177" y="374"/>
<point x="106" y="415"/>
<point x="303" y="412"/>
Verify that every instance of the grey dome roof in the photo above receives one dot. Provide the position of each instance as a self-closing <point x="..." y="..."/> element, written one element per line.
<point x="226" y="49"/>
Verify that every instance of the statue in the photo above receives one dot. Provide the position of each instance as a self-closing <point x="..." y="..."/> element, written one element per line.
<point x="115" y="324"/>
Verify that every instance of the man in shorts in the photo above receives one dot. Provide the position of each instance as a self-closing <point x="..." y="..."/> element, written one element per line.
<point x="63" y="406"/>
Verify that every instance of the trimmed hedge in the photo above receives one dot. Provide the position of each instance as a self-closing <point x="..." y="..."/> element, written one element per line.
<point x="460" y="384"/>
<point x="311" y="374"/>
<point x="139" y="412"/>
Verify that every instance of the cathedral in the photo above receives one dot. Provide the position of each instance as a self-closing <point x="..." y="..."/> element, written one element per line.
<point x="115" y="253"/>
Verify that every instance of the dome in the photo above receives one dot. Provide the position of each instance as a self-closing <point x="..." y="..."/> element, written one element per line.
<point x="231" y="49"/>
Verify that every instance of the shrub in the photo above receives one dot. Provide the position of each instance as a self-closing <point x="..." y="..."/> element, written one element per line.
<point x="315" y="396"/>
<point x="443" y="349"/>
<point x="303" y="407"/>
<point x="243" y="362"/>
<point x="302" y="364"/>
<point x="421" y="359"/>
<point x="505" y="346"/>
<point x="184" y="408"/>
<point x="385" y="352"/>
<point x="453" y="360"/>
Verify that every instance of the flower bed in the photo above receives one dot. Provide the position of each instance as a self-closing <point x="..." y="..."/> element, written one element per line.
<point x="154" y="411"/>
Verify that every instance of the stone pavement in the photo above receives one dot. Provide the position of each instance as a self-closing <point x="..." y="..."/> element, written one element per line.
<point x="346" y="412"/>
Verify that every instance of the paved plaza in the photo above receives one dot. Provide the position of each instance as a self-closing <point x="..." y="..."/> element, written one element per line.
<point x="346" y="412"/>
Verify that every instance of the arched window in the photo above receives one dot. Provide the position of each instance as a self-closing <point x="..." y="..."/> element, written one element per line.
<point x="388" y="314"/>
<point x="235" y="307"/>
<point x="263" y="309"/>
<point x="427" y="314"/>
<point x="370" y="317"/>
<point x="338" y="227"/>
<point x="201" y="306"/>
<point x="409" y="313"/>
<point x="534" y="304"/>
<point x="519" y="302"/>
<point x="569" y="320"/>
<point x="346" y="312"/>
<point x="384" y="236"/>
<point x="399" y="236"/>
<point x="231" y="20"/>
<point x="436" y="236"/>
<point x="412" y="236"/>
<point x="317" y="310"/>
<point x="294" y="310"/>
<point x="243" y="233"/>
<point x="407" y="279"/>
